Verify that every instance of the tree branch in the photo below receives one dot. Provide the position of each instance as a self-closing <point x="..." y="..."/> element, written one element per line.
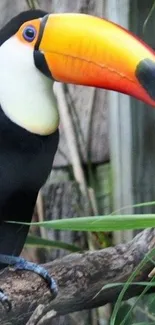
<point x="80" y="278"/>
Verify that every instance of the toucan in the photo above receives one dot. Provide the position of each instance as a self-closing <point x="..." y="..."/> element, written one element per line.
<point x="36" y="49"/>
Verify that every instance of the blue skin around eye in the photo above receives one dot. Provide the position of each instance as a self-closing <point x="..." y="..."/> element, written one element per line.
<point x="29" y="29"/>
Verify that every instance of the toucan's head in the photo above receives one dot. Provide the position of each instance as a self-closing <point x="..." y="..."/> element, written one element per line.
<point x="37" y="48"/>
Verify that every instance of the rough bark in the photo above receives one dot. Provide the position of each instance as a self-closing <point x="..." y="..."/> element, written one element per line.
<point x="80" y="279"/>
<point x="62" y="200"/>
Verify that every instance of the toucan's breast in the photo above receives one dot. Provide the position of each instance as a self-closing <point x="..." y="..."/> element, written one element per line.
<point x="26" y="95"/>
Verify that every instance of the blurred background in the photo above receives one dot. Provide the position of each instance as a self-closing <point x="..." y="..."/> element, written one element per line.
<point x="106" y="155"/>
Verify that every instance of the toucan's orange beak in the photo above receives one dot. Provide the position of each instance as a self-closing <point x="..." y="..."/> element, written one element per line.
<point x="87" y="50"/>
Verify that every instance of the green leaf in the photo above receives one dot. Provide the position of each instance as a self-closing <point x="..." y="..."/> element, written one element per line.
<point x="121" y="314"/>
<point x="150" y="303"/>
<point x="149" y="16"/>
<point x="113" y="285"/>
<point x="137" y="205"/>
<point x="137" y="300"/>
<point x="147" y="257"/>
<point x="41" y="242"/>
<point x="127" y="284"/>
<point x="99" y="223"/>
<point x="144" y="323"/>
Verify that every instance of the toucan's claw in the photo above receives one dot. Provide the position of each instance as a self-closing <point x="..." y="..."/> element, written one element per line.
<point x="20" y="263"/>
<point x="5" y="301"/>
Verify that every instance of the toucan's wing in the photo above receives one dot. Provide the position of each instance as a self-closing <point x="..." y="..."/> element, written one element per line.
<point x="13" y="236"/>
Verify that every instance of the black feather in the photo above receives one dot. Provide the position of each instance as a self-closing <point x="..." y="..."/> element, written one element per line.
<point x="14" y="24"/>
<point x="25" y="163"/>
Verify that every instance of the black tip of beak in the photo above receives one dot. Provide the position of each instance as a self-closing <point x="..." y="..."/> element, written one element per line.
<point x="145" y="74"/>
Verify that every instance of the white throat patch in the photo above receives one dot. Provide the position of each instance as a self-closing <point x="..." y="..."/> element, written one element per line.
<point x="26" y="95"/>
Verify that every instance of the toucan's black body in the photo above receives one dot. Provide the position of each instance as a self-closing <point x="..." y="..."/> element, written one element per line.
<point x="25" y="163"/>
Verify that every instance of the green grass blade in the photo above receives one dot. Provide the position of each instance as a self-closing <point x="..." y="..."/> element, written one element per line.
<point x="127" y="284"/>
<point x="144" y="323"/>
<point x="137" y="205"/>
<point x="149" y="16"/>
<point x="137" y="300"/>
<point x="99" y="223"/>
<point x="46" y="243"/>
<point x="113" y="285"/>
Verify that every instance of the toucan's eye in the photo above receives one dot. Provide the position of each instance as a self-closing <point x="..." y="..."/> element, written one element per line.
<point x="29" y="33"/>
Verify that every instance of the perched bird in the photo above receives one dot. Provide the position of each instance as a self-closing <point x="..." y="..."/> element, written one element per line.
<point x="36" y="49"/>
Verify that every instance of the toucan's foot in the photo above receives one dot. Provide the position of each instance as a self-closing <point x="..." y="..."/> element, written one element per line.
<point x="20" y="263"/>
<point x="5" y="301"/>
